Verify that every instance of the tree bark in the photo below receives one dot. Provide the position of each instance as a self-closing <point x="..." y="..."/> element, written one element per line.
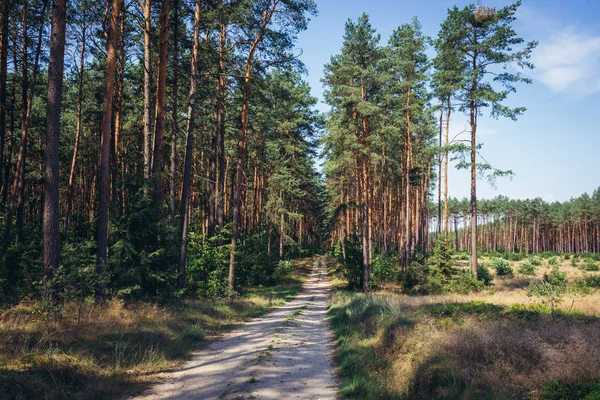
<point x="446" y="163"/>
<point x="80" y="94"/>
<point x="189" y="147"/>
<point x="159" y="122"/>
<point x="51" y="181"/>
<point x="146" y="7"/>
<point x="220" y="192"/>
<point x="103" y="180"/>
<point x="174" y="125"/>
<point x="18" y="187"/>
<point x="3" y="73"/>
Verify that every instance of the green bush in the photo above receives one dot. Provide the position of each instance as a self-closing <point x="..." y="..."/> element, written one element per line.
<point x="283" y="271"/>
<point x="590" y="265"/>
<point x="567" y="256"/>
<point x="536" y="262"/>
<point x="553" y="262"/>
<point x="571" y="391"/>
<point x="575" y="261"/>
<point x="527" y="268"/>
<point x="516" y="256"/>
<point x="501" y="266"/>
<point x="483" y="274"/>
<point x="552" y="287"/>
<point x="463" y="282"/>
<point x="384" y="268"/>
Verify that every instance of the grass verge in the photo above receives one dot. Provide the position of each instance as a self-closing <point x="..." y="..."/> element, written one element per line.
<point x="108" y="352"/>
<point x="469" y="350"/>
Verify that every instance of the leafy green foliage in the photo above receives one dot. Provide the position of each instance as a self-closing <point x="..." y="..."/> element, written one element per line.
<point x="536" y="262"/>
<point x="590" y="265"/>
<point x="385" y="268"/>
<point x="551" y="288"/>
<point x="438" y="275"/>
<point x="527" y="268"/>
<point x="501" y="266"/>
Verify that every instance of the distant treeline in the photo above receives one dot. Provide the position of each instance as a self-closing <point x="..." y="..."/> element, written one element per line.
<point x="531" y="225"/>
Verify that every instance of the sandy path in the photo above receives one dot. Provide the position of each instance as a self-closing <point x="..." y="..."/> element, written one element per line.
<point x="285" y="354"/>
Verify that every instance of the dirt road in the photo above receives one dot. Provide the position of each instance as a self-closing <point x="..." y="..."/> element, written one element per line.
<point x="287" y="354"/>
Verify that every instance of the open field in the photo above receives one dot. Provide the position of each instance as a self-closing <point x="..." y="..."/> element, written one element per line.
<point x="107" y="352"/>
<point x="498" y="343"/>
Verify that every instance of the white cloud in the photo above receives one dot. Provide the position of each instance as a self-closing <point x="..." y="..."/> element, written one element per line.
<point x="569" y="62"/>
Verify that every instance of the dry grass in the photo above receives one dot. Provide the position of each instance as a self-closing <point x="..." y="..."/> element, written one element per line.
<point x="107" y="352"/>
<point x="495" y="344"/>
<point x="506" y="290"/>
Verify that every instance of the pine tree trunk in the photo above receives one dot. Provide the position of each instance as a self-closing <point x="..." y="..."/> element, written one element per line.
<point x="473" y="121"/>
<point x="80" y="93"/>
<point x="159" y="122"/>
<point x="146" y="6"/>
<point x="27" y="91"/>
<point x="446" y="163"/>
<point x="189" y="149"/>
<point x="106" y="127"/>
<point x="220" y="192"/>
<point x="51" y="192"/>
<point x="439" y="185"/>
<point x="3" y="73"/>
<point x="174" y="127"/>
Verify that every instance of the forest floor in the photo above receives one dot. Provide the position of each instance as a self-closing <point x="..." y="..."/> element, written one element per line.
<point x="285" y="354"/>
<point x="86" y="351"/>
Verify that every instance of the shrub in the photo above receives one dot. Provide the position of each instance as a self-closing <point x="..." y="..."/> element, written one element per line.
<point x="527" y="268"/>
<point x="483" y="274"/>
<point x="501" y="266"/>
<point x="283" y="271"/>
<point x="590" y="265"/>
<point x="552" y="287"/>
<point x="384" y="268"/>
<point x="516" y="256"/>
<point x="575" y="261"/>
<point x="553" y="262"/>
<point x="567" y="257"/>
<point x="463" y="282"/>
<point x="535" y="261"/>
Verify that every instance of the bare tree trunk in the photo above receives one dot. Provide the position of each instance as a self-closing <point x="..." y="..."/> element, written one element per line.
<point x="103" y="181"/>
<point x="77" y="128"/>
<point x="146" y="7"/>
<point x="161" y="93"/>
<point x="11" y="137"/>
<point x="51" y="196"/>
<point x="473" y="121"/>
<point x="446" y="163"/>
<point x="3" y="72"/>
<point x="115" y="150"/>
<point x="18" y="187"/>
<point x="174" y="126"/>
<point x="439" y="186"/>
<point x="281" y="236"/>
<point x="220" y="192"/>
<point x="189" y="147"/>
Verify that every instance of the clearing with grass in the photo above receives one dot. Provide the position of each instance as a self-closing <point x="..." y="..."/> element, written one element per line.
<point x="272" y="199"/>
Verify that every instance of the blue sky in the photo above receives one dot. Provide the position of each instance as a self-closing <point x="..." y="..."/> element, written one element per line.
<point x="553" y="148"/>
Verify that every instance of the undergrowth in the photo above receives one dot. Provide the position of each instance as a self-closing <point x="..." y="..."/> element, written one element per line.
<point x="469" y="350"/>
<point x="86" y="351"/>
